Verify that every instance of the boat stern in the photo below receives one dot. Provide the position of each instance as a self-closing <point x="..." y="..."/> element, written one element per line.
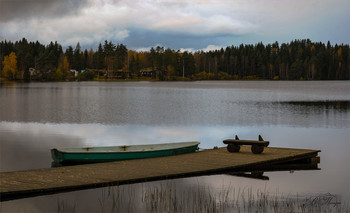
<point x="56" y="155"/>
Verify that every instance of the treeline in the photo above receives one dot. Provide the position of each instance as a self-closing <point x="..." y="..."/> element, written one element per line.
<point x="297" y="60"/>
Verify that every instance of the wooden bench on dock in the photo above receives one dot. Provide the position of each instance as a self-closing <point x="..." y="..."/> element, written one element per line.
<point x="234" y="145"/>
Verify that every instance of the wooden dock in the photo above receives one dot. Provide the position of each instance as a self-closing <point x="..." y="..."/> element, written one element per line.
<point x="19" y="184"/>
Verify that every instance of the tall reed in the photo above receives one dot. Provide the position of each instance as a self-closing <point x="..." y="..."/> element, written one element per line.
<point x="166" y="196"/>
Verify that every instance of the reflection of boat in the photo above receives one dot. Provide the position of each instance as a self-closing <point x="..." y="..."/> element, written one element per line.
<point x="115" y="153"/>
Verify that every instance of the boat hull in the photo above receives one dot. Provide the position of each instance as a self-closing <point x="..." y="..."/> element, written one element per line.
<point x="97" y="155"/>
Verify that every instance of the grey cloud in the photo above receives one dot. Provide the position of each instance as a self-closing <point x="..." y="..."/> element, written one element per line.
<point x="23" y="9"/>
<point x="171" y="23"/>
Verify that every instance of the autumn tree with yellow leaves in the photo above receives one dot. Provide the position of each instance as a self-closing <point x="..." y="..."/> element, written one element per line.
<point x="62" y="71"/>
<point x="10" y="66"/>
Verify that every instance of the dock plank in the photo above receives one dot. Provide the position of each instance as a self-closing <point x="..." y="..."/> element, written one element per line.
<point x="18" y="184"/>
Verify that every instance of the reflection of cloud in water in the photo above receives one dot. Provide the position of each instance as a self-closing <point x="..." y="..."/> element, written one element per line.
<point x="28" y="146"/>
<point x="133" y="134"/>
<point x="50" y="128"/>
<point x="177" y="132"/>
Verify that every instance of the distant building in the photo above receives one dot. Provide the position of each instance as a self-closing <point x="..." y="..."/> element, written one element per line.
<point x="146" y="73"/>
<point x="117" y="74"/>
<point x="75" y="72"/>
<point x="32" y="71"/>
<point x="154" y="73"/>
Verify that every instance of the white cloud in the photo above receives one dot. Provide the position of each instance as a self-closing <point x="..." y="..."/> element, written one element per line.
<point x="121" y="34"/>
<point x="206" y="49"/>
<point x="187" y="50"/>
<point x="195" y="17"/>
<point x="211" y="48"/>
<point x="145" y="49"/>
<point x="192" y="50"/>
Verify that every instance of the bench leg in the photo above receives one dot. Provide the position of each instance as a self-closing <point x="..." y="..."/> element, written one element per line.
<point x="256" y="149"/>
<point x="233" y="147"/>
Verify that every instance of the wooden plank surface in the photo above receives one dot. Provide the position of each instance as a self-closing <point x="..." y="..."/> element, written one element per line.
<point x="53" y="180"/>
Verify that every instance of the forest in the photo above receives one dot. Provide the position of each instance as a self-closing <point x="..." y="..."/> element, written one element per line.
<point x="297" y="60"/>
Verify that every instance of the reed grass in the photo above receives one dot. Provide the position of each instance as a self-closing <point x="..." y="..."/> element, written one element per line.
<point x="169" y="197"/>
<point x="65" y="206"/>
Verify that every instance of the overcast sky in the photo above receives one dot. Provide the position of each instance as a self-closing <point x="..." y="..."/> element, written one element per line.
<point x="177" y="24"/>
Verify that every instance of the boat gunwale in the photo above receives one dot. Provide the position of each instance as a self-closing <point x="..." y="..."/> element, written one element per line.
<point x="190" y="144"/>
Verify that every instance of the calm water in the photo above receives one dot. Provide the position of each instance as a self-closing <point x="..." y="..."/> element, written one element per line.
<point x="35" y="117"/>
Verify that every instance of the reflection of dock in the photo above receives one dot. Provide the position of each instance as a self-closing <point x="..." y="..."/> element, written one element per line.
<point x="29" y="183"/>
<point x="257" y="172"/>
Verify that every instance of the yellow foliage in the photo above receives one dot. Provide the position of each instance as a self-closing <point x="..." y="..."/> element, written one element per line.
<point x="143" y="59"/>
<point x="10" y="65"/>
<point x="236" y="77"/>
<point x="224" y="76"/>
<point x="132" y="53"/>
<point x="125" y="68"/>
<point x="312" y="48"/>
<point x="276" y="77"/>
<point x="171" y="70"/>
<point x="59" y="74"/>
<point x="339" y="51"/>
<point x="250" y="77"/>
<point x="65" y="65"/>
<point x="202" y="76"/>
<point x="63" y="71"/>
<point x="211" y="76"/>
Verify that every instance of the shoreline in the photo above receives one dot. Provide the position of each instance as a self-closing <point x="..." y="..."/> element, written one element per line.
<point x="5" y="81"/>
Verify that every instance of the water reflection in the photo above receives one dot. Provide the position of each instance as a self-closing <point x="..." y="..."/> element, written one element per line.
<point x="290" y="166"/>
<point x="340" y="106"/>
<point x="36" y="117"/>
<point x="178" y="103"/>
<point x="26" y="146"/>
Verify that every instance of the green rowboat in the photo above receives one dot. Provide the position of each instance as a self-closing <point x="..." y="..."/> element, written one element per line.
<point x="115" y="153"/>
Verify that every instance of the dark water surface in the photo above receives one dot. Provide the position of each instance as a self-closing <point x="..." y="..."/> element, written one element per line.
<point x="36" y="117"/>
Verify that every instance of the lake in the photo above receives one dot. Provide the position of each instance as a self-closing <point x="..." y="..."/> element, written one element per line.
<point x="35" y="117"/>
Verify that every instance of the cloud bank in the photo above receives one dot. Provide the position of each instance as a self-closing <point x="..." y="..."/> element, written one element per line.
<point x="173" y="23"/>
